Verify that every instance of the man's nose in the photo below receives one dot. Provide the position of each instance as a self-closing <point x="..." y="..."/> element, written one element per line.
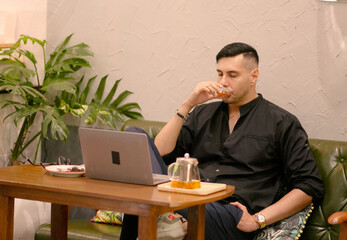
<point x="222" y="80"/>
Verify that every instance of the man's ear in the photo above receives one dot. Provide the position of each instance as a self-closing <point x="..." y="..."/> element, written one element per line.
<point x="254" y="76"/>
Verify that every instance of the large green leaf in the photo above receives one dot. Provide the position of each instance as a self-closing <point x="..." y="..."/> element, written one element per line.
<point x="25" y="39"/>
<point x="53" y="123"/>
<point x="27" y="54"/>
<point x="81" y="49"/>
<point x="77" y="110"/>
<point x="23" y="89"/>
<point x="70" y="65"/>
<point x="58" y="51"/>
<point x="59" y="83"/>
<point x="15" y="69"/>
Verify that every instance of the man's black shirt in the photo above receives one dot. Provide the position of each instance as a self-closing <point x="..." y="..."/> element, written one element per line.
<point x="266" y="155"/>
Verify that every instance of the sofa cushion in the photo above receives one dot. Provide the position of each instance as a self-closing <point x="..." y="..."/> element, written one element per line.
<point x="288" y="228"/>
<point x="108" y="217"/>
<point x="82" y="230"/>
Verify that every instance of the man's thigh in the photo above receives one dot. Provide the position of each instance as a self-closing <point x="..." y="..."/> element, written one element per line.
<point x="221" y="221"/>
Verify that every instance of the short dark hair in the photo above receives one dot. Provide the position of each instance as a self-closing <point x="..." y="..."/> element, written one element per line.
<point x="237" y="48"/>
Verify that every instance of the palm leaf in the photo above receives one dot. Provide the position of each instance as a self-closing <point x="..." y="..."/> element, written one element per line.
<point x="100" y="90"/>
<point x="83" y="97"/>
<point x="120" y="98"/>
<point x="128" y="106"/>
<point x="111" y="93"/>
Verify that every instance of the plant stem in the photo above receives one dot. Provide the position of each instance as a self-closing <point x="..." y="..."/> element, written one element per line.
<point x="30" y="141"/>
<point x="37" y="76"/>
<point x="18" y="147"/>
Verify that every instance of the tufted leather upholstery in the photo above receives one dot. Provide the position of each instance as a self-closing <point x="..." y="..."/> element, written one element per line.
<point x="331" y="158"/>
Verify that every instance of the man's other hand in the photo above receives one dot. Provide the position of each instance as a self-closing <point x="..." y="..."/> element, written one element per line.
<point x="247" y="222"/>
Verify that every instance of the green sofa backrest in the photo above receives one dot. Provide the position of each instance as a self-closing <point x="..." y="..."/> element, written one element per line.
<point x="331" y="158"/>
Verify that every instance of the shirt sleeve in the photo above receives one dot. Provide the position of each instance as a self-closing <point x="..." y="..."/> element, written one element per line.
<point x="299" y="167"/>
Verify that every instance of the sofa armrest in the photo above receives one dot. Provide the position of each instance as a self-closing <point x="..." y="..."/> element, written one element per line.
<point x="337" y="218"/>
<point x="340" y="218"/>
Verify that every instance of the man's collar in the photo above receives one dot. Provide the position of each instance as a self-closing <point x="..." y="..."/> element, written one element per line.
<point x="244" y="109"/>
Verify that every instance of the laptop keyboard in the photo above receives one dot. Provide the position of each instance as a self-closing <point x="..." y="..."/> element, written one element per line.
<point x="160" y="177"/>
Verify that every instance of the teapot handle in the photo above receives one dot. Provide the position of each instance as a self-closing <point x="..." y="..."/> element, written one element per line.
<point x="171" y="169"/>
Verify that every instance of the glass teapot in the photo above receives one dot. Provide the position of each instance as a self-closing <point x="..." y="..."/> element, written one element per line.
<point x="184" y="173"/>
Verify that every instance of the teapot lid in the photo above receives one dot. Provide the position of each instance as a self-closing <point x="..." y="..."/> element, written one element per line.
<point x="187" y="159"/>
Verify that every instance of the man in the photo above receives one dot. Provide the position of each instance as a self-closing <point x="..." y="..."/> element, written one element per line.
<point x="245" y="141"/>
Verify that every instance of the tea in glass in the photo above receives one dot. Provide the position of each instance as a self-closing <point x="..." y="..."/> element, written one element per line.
<point x="224" y="92"/>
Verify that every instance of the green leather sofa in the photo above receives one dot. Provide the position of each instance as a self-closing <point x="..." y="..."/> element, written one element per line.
<point x="331" y="158"/>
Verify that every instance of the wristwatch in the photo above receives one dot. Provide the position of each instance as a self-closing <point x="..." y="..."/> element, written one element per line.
<point x="261" y="220"/>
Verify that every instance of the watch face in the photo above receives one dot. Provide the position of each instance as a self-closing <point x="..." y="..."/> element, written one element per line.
<point x="260" y="218"/>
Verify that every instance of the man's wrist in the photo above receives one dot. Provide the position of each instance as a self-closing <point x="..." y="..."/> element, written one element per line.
<point x="255" y="223"/>
<point x="185" y="118"/>
<point x="184" y="109"/>
<point x="260" y="220"/>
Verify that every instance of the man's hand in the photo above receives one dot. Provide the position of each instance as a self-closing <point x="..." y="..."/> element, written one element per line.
<point x="203" y="92"/>
<point x="247" y="222"/>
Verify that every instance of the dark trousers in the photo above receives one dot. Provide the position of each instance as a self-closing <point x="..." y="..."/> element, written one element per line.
<point x="221" y="218"/>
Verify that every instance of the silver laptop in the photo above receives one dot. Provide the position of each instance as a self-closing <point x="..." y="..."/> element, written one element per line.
<point x="118" y="156"/>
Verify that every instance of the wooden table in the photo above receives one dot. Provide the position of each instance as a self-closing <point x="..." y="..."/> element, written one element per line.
<point x="34" y="183"/>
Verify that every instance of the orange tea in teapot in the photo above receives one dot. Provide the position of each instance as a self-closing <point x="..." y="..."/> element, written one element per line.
<point x="187" y="185"/>
<point x="184" y="173"/>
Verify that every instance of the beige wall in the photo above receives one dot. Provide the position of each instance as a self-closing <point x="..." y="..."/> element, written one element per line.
<point x="161" y="49"/>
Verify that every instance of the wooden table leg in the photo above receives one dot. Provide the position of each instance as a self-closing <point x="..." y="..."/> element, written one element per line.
<point x="6" y="217"/>
<point x="59" y="221"/>
<point x="196" y="222"/>
<point x="147" y="227"/>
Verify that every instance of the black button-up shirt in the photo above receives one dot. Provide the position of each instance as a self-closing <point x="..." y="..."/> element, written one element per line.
<point x="266" y="155"/>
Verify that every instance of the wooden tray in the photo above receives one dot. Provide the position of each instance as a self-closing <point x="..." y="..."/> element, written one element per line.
<point x="206" y="188"/>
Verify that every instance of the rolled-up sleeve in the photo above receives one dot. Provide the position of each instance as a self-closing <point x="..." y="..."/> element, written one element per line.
<point x="299" y="167"/>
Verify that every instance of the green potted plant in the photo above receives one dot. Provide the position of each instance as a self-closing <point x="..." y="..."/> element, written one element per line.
<point x="58" y="93"/>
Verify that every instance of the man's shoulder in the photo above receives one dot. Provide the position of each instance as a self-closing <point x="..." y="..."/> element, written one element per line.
<point x="275" y="110"/>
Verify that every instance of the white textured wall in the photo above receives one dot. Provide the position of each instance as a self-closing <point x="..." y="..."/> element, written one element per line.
<point x="161" y="49"/>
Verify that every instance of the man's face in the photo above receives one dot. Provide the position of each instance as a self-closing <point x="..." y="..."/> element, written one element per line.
<point x="240" y="76"/>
